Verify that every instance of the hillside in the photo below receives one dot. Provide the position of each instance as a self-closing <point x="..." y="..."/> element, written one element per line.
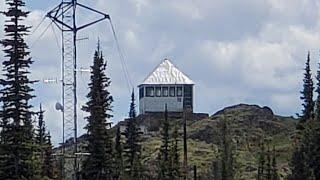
<point x="250" y="123"/>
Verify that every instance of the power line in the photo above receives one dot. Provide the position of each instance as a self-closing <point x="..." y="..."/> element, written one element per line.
<point x="41" y="35"/>
<point x="55" y="36"/>
<point x="38" y="26"/>
<point x="122" y="59"/>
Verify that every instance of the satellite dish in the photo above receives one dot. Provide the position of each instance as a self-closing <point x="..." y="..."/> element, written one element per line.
<point x="59" y="107"/>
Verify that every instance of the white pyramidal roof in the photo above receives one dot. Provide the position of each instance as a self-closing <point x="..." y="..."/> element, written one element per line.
<point x="167" y="73"/>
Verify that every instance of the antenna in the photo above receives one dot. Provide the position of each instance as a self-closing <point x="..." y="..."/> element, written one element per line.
<point x="64" y="16"/>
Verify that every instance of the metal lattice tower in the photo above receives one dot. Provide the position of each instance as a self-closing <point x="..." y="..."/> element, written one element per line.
<point x="65" y="17"/>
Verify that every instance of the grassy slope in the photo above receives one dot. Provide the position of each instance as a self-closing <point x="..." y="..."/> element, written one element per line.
<point x="250" y="124"/>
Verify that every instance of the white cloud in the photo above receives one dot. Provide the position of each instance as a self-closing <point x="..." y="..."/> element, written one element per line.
<point x="236" y="51"/>
<point x="187" y="9"/>
<point x="221" y="54"/>
<point x="140" y="5"/>
<point x="285" y="102"/>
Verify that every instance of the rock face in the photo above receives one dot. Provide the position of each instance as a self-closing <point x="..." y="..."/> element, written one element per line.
<point x="248" y="112"/>
<point x="248" y="121"/>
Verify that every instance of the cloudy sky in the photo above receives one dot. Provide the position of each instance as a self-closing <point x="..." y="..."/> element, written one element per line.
<point x="244" y="51"/>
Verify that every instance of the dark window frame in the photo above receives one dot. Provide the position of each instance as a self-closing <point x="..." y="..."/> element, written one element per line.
<point x="181" y="92"/>
<point x="141" y="92"/>
<point x="174" y="90"/>
<point x="156" y="91"/>
<point x="163" y="89"/>
<point x="147" y="92"/>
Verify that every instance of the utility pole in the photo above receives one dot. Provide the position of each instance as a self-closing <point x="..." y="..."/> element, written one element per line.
<point x="65" y="17"/>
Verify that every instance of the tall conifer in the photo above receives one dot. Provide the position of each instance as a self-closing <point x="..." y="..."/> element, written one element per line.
<point x="41" y="133"/>
<point x="301" y="157"/>
<point x="275" y="175"/>
<point x="226" y="148"/>
<point x="44" y="145"/>
<point x="261" y="160"/>
<point x="164" y="163"/>
<point x="132" y="146"/>
<point x="307" y="96"/>
<point x="299" y="167"/>
<point x="317" y="111"/>
<point x="17" y="149"/>
<point x="118" y="155"/>
<point x="314" y="148"/>
<point x="174" y="154"/>
<point x="269" y="162"/>
<point x="99" y="163"/>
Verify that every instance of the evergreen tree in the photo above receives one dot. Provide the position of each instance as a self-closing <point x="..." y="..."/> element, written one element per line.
<point x="132" y="146"/>
<point x="269" y="163"/>
<point x="317" y="103"/>
<point x="118" y="155"/>
<point x="314" y="127"/>
<point x="174" y="154"/>
<point x="261" y="161"/>
<point x="43" y="142"/>
<point x="314" y="151"/>
<point x="48" y="168"/>
<point x="299" y="167"/>
<point x="17" y="147"/>
<point x="301" y="161"/>
<point x="275" y="175"/>
<point x="99" y="163"/>
<point x="41" y="134"/>
<point x="307" y="96"/>
<point x="226" y="148"/>
<point x="164" y="172"/>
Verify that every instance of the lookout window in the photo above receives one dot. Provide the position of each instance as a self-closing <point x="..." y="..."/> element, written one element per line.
<point x="179" y="91"/>
<point x="150" y="91"/>
<point x="158" y="91"/>
<point x="165" y="92"/>
<point x="172" y="91"/>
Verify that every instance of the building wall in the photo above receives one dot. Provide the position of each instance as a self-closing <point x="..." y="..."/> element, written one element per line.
<point x="157" y="104"/>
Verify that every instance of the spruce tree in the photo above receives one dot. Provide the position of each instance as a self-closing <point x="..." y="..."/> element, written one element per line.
<point x="299" y="167"/>
<point x="17" y="148"/>
<point x="118" y="155"/>
<point x="174" y="155"/>
<point x="99" y="163"/>
<point x="226" y="148"/>
<point x="302" y="155"/>
<point x="317" y="113"/>
<point x="132" y="146"/>
<point x="261" y="161"/>
<point x="275" y="175"/>
<point x="307" y="96"/>
<point x="41" y="134"/>
<point x="314" y="127"/>
<point x="268" y="162"/>
<point x="48" y="168"/>
<point x="164" y="170"/>
<point x="44" y="145"/>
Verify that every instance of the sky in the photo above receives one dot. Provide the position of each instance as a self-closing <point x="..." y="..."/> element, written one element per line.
<point x="243" y="51"/>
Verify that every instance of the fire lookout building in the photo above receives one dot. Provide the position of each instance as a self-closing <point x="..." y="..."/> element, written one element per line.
<point x="166" y="85"/>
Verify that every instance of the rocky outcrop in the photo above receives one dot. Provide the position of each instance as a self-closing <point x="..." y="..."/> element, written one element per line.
<point x="247" y="112"/>
<point x="247" y="122"/>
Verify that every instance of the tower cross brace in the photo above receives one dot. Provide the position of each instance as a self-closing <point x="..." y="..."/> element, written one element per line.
<point x="64" y="17"/>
